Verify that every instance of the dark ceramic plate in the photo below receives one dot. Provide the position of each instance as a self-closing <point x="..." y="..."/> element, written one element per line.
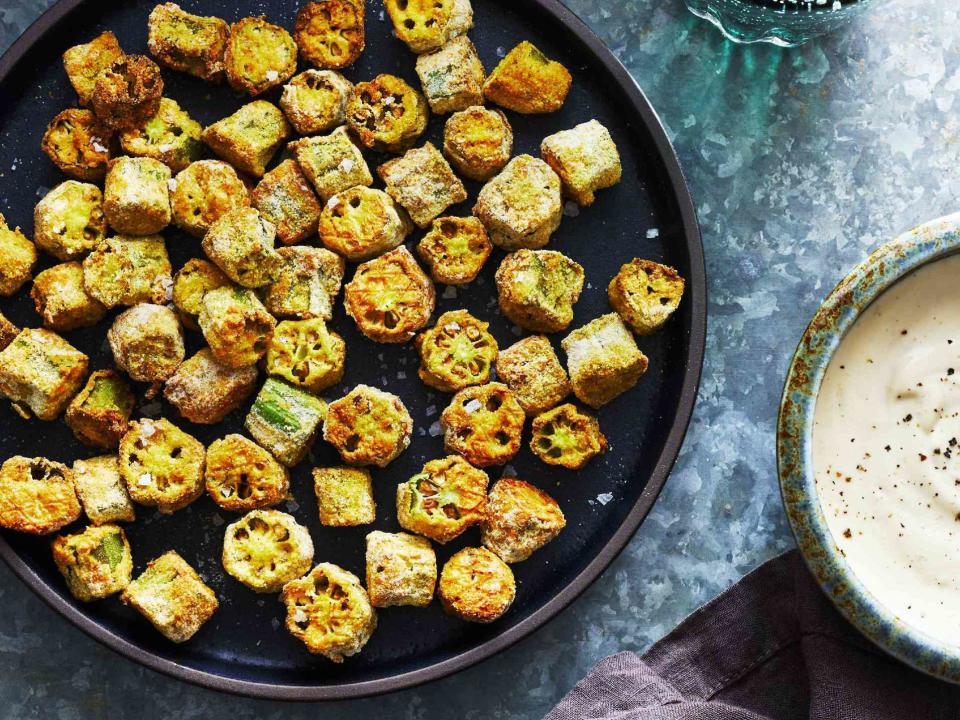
<point x="244" y="648"/>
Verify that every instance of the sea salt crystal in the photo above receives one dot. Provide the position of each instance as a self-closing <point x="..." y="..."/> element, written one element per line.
<point x="509" y="471"/>
<point x="388" y="100"/>
<point x="167" y="285"/>
<point x="217" y="519"/>
<point x="275" y="623"/>
<point x="450" y="293"/>
<point x="452" y="327"/>
<point x="604" y="498"/>
<point x="293" y="505"/>
<point x="145" y="479"/>
<point x="381" y="16"/>
<point x="100" y="147"/>
<point x="501" y="51"/>
<point x="172" y="185"/>
<point x="516" y="330"/>
<point x="166" y="147"/>
<point x="653" y="233"/>
<point x="434" y="429"/>
<point x="148" y="429"/>
<point x="299" y="616"/>
<point x="272" y="75"/>
<point x="471" y="406"/>
<point x="346" y="165"/>
<point x="571" y="209"/>
<point x="431" y="410"/>
<point x="401" y="375"/>
<point x="151" y="410"/>
<point x="333" y="202"/>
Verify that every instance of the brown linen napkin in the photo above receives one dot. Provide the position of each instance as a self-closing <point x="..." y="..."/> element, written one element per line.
<point x="770" y="648"/>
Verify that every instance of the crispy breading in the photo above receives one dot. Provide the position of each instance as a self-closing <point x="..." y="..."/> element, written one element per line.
<point x="203" y="192"/>
<point x="425" y="25"/>
<point x="645" y="294"/>
<point x="171" y="136"/>
<point x="128" y="271"/>
<point x="96" y="562"/>
<point x="520" y="519"/>
<point x="161" y="465"/>
<point x="401" y="569"/>
<point x="284" y="197"/>
<point x="41" y="372"/>
<point x="78" y="144"/>
<point x="192" y="44"/>
<point x="85" y="61"/>
<point x="368" y="426"/>
<point x="241" y="243"/>
<point x="102" y="491"/>
<point x="478" y="142"/>
<point x="285" y="420"/>
<point x="361" y="223"/>
<point x="532" y="371"/>
<point x="528" y="82"/>
<point x="423" y="183"/>
<point x="61" y="300"/>
<point x="603" y="360"/>
<point x="249" y="138"/>
<point x="456" y="352"/>
<point x="236" y="326"/>
<point x="521" y="207"/>
<point x="259" y="56"/>
<point x="136" y="196"/>
<point x="537" y="289"/>
<point x="344" y="496"/>
<point x="307" y="354"/>
<point x="37" y="495"/>
<point x="585" y="158"/>
<point x="240" y="475"/>
<point x="307" y="284"/>
<point x="17" y="257"/>
<point x="477" y="586"/>
<point x="127" y="93"/>
<point x="567" y="437"/>
<point x="443" y="500"/>
<point x="455" y="249"/>
<point x="147" y="342"/>
<point x="331" y="162"/>
<point x="191" y="283"/>
<point x="204" y="391"/>
<point x="330" y="33"/>
<point x="266" y="549"/>
<point x="315" y="101"/>
<point x="386" y="114"/>
<point x="483" y="423"/>
<point x="452" y="76"/>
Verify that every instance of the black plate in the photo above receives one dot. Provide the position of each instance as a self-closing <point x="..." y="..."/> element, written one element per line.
<point x="244" y="648"/>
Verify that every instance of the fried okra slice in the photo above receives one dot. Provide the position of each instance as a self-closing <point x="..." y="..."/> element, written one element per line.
<point x="331" y="162"/>
<point x="236" y="326"/>
<point x="37" y="495"/>
<point x="204" y="391"/>
<point x="266" y="549"/>
<point x="161" y="465"/>
<point x="538" y="288"/>
<point x="361" y="223"/>
<point x="241" y="475"/>
<point x="425" y="25"/>
<point x="483" y="424"/>
<point x="307" y="354"/>
<point x="567" y="437"/>
<point x="147" y="342"/>
<point x="477" y="586"/>
<point x="241" y="244"/>
<point x="259" y="56"/>
<point x="603" y="360"/>
<point x="17" y="257"/>
<point x="401" y="569"/>
<point x="250" y="137"/>
<point x="443" y="500"/>
<point x="344" y="496"/>
<point x="456" y="352"/>
<point x="85" y="61"/>
<point x="69" y="222"/>
<point x="585" y="158"/>
<point x="386" y="114"/>
<point x="96" y="563"/>
<point x="368" y="426"/>
<point x="172" y="596"/>
<point x="285" y="420"/>
<point x="99" y="414"/>
<point x="315" y="101"/>
<point x="78" y="144"/>
<point x="102" y="491"/>
<point x="171" y="137"/>
<point x="390" y="298"/>
<point x="455" y="249"/>
<point x="8" y="331"/>
<point x="188" y="43"/>
<point x="329" y="611"/>
<point x="203" y="192"/>
<point x="423" y="183"/>
<point x="532" y="371"/>
<point x="129" y="270"/>
<point x="521" y="207"/>
<point x="127" y="93"/>
<point x="478" y="142"/>
<point x="307" y="285"/>
<point x="285" y="199"/>
<point x="452" y="77"/>
<point x="136" y="196"/>
<point x="194" y="280"/>
<point x="520" y="519"/>
<point x="528" y="82"/>
<point x="330" y="33"/>
<point x="645" y="294"/>
<point x="41" y="372"/>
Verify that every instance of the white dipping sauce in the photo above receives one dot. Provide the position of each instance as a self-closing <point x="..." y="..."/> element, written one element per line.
<point x="886" y="449"/>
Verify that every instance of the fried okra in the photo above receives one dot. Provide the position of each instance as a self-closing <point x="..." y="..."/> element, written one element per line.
<point x="194" y="280"/>
<point x="603" y="360"/>
<point x="203" y="192"/>
<point x="161" y="465"/>
<point x="284" y="197"/>
<point x="102" y="491"/>
<point x="452" y="76"/>
<point x="84" y="62"/>
<point x="37" y="495"/>
<point x="249" y="138"/>
<point x="423" y="183"/>
<point x="236" y="326"/>
<point x="425" y="25"/>
<point x="331" y="162"/>
<point x="483" y="423"/>
<point x="520" y="520"/>
<point x="172" y="596"/>
<point x="307" y="285"/>
<point x="266" y="549"/>
<point x="68" y="222"/>
<point x="189" y="43"/>
<point x="645" y="294"/>
<point x="240" y="475"/>
<point x="205" y="391"/>
<point x="455" y="249"/>
<point x="171" y="137"/>
<point x="330" y="33"/>
<point x="585" y="158"/>
<point x="401" y="569"/>
<point x="41" y="372"/>
<point x="315" y="101"/>
<point x="136" y="196"/>
<point x="96" y="563"/>
<point x="528" y="82"/>
<point x="259" y="56"/>
<point x="129" y="270"/>
<point x="285" y="420"/>
<point x="478" y="142"/>
<point x="306" y="353"/>
<point x="532" y="371"/>
<point x="386" y="114"/>
<point x="538" y="288"/>
<point x="17" y="257"/>
<point x="78" y="144"/>
<point x="477" y="586"/>
<point x="99" y="414"/>
<point x="567" y="437"/>
<point x="344" y="496"/>
<point x="127" y="93"/>
<point x="8" y="331"/>
<point x="241" y="244"/>
<point x="456" y="352"/>
<point x="390" y="298"/>
<point x="443" y="500"/>
<point x="368" y="426"/>
<point x="521" y="207"/>
<point x="147" y="342"/>
<point x="361" y="223"/>
<point x="329" y="611"/>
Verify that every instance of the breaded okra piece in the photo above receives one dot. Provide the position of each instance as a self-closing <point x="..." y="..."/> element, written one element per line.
<point x="603" y="360"/>
<point x="147" y="342"/>
<point x="532" y="371"/>
<point x="521" y="207"/>
<point x="78" y="144"/>
<point x="102" y="491"/>
<point x="456" y="352"/>
<point x="249" y="138"/>
<point x="478" y="142"/>
<point x="17" y="257"/>
<point x="204" y="391"/>
<point x="85" y="61"/>
<point x="236" y="326"/>
<point x="425" y="25"/>
<point x="203" y="192"/>
<point x="99" y="414"/>
<point x="344" y="496"/>
<point x="386" y="114"/>
<point x="41" y="372"/>
<point x="259" y="56"/>
<point x="61" y="301"/>
<point x="8" y="331"/>
<point x="477" y="586"/>
<point x="401" y="569"/>
<point x="127" y="93"/>
<point x="171" y="136"/>
<point x="645" y="294"/>
<point x="528" y="82"/>
<point x="538" y="288"/>
<point x="128" y="271"/>
<point x="266" y="549"/>
<point x="96" y="563"/>
<point x="452" y="76"/>
<point x="567" y="437"/>
<point x="330" y="33"/>
<point x="68" y="222"/>
<point x="136" y="196"/>
<point x="483" y="423"/>
<point x="37" y="495"/>
<point x="361" y="223"/>
<point x="585" y="158"/>
<point x="331" y="162"/>
<point x="520" y="519"/>
<point x="368" y="426"/>
<point x="307" y="285"/>
<point x="423" y="183"/>
<point x="189" y="43"/>
<point x="307" y="354"/>
<point x="284" y="197"/>
<point x="241" y="244"/>
<point x="285" y="420"/>
<point x="161" y="465"/>
<point x="443" y="500"/>
<point x="455" y="249"/>
<point x="241" y="476"/>
<point x="315" y="101"/>
<point x="194" y="280"/>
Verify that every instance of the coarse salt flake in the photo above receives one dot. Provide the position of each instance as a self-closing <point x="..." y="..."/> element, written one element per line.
<point x="571" y="209"/>
<point x="333" y="202"/>
<point x="171" y="184"/>
<point x="272" y="75"/>
<point x="434" y="429"/>
<point x="450" y="293"/>
<point x="652" y="233"/>
<point x="145" y="479"/>
<point x="604" y="498"/>
<point x="346" y="165"/>
<point x="472" y="405"/>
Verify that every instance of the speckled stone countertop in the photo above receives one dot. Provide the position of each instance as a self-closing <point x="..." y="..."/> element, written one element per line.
<point x="800" y="162"/>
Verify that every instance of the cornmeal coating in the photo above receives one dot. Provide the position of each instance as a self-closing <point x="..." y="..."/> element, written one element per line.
<point x="78" y="143"/>
<point x="161" y="465"/>
<point x="344" y="496"/>
<point x="102" y="491"/>
<point x="194" y="280"/>
<point x="443" y="500"/>
<point x="477" y="586"/>
<point x="68" y="222"/>
<point x="567" y="437"/>
<point x="241" y="244"/>
<point x="452" y="76"/>
<point x="266" y="549"/>
<point x="331" y="162"/>
<point x="17" y="257"/>
<point x="285" y="199"/>
<point x="368" y="426"/>
<point x="96" y="563"/>
<point x="401" y="569"/>
<point x="285" y="420"/>
<point x="249" y="138"/>
<point x="203" y="192"/>
<point x="423" y="183"/>
<point x="645" y="294"/>
<point x="193" y="44"/>
<point x="521" y="207"/>
<point x="259" y="56"/>
<point x="307" y="354"/>
<point x="40" y="372"/>
<point x="532" y="371"/>
<point x="585" y="158"/>
<point x="127" y="93"/>
<point x="528" y="82"/>
<point x="361" y="223"/>
<point x="171" y="136"/>
<point x="129" y="270"/>
<point x="8" y="331"/>
<point x="37" y="495"/>
<point x="478" y="142"/>
<point x="603" y="360"/>
<point x="425" y="25"/>
<point x="456" y="352"/>
<point x="307" y="285"/>
<point x="455" y="249"/>
<point x="330" y="33"/>
<point x="241" y="476"/>
<point x="520" y="519"/>
<point x="136" y="196"/>
<point x="236" y="326"/>
<point x="315" y="101"/>
<point x="147" y="342"/>
<point x="386" y="114"/>
<point x="85" y="61"/>
<point x="483" y="423"/>
<point x="538" y="288"/>
<point x="204" y="391"/>
<point x="99" y="413"/>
